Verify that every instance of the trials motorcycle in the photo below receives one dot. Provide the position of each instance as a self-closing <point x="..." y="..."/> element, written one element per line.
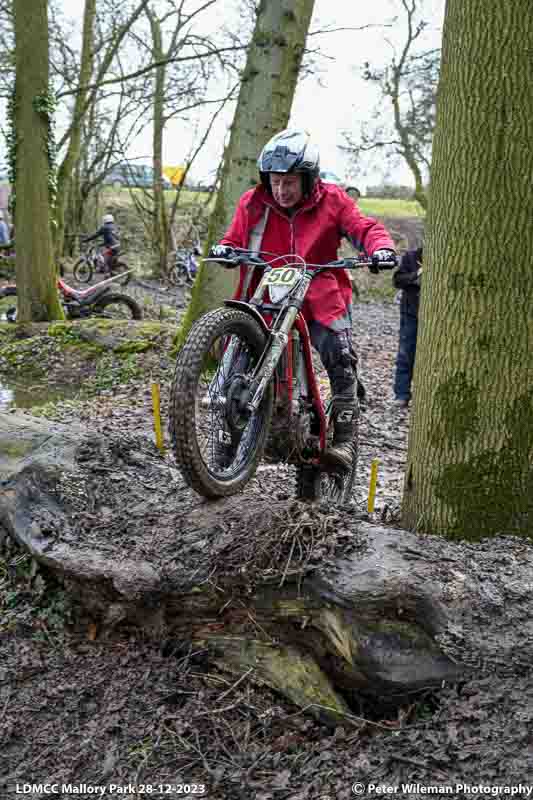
<point x="245" y="387"/>
<point x="97" y="301"/>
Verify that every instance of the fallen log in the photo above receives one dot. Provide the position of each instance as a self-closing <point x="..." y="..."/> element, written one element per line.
<point x="316" y="603"/>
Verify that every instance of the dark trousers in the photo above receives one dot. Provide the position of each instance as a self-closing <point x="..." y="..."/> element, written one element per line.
<point x="338" y="357"/>
<point x="405" y="360"/>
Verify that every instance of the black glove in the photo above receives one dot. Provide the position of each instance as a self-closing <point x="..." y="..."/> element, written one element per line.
<point x="225" y="253"/>
<point x="383" y="259"/>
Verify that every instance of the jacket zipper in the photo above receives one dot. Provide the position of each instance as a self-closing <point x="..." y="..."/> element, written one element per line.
<point x="290" y="220"/>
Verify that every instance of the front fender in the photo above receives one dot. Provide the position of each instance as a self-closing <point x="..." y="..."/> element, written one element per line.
<point x="248" y="309"/>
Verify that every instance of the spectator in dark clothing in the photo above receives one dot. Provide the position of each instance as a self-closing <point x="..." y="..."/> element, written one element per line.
<point x="111" y="243"/>
<point x="407" y="278"/>
<point x="5" y="237"/>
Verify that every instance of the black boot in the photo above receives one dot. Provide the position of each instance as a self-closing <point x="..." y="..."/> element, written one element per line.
<point x="344" y="416"/>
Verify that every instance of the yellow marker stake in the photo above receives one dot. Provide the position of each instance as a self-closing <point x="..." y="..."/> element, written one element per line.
<point x="157" y="417"/>
<point x="372" y="486"/>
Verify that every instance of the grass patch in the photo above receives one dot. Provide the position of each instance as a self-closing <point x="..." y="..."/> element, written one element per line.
<point x="383" y="207"/>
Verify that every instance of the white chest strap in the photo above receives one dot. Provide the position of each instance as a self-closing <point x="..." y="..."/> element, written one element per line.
<point x="254" y="245"/>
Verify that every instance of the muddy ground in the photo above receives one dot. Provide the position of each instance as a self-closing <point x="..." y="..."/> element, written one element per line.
<point x="79" y="706"/>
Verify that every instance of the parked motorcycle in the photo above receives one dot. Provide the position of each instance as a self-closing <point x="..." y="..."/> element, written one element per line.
<point x="96" y="301"/>
<point x="185" y="266"/>
<point x="92" y="260"/>
<point x="244" y="386"/>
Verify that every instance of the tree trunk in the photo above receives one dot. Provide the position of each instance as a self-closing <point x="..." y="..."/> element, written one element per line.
<point x="37" y="293"/>
<point x="263" y="108"/>
<point x="471" y="444"/>
<point x="72" y="155"/>
<point x="314" y="603"/>
<point x="160" y="237"/>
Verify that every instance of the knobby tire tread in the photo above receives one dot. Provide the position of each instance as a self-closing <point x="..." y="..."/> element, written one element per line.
<point x="123" y="299"/>
<point x="182" y="428"/>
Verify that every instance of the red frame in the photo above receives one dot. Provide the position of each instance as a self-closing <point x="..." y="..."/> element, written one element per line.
<point x="301" y="326"/>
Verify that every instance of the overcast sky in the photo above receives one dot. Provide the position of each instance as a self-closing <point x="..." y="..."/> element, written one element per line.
<point x="333" y="99"/>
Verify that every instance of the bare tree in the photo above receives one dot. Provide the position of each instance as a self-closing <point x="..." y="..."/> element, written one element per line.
<point x="264" y="105"/>
<point x="173" y="91"/>
<point x="409" y="84"/>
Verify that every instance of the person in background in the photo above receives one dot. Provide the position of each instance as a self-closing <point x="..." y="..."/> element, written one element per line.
<point x="5" y="237"/>
<point x="111" y="243"/>
<point x="407" y="278"/>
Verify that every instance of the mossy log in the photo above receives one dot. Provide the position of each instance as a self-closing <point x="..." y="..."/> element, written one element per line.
<point x="315" y="603"/>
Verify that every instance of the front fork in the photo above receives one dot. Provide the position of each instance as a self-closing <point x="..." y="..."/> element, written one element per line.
<point x="271" y="357"/>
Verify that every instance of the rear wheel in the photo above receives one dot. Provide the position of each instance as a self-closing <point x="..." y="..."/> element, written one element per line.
<point x="118" y="268"/>
<point x="118" y="306"/>
<point x="179" y="275"/>
<point x="83" y="270"/>
<point x="315" y="483"/>
<point x="217" y="441"/>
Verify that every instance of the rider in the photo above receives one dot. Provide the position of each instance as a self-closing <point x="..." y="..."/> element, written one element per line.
<point x="111" y="243"/>
<point x="293" y="212"/>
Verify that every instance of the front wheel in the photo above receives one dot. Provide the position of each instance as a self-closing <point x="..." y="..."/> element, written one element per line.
<point x="83" y="271"/>
<point x="216" y="440"/>
<point x="117" y="306"/>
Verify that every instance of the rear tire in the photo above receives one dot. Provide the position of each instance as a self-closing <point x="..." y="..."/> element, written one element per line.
<point x="119" y="267"/>
<point x="118" y="306"/>
<point x="200" y="418"/>
<point x="314" y="483"/>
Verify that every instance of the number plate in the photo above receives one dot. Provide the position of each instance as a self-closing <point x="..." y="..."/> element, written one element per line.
<point x="284" y="277"/>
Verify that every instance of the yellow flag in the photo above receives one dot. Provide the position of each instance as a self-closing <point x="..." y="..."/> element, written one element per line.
<point x="174" y="174"/>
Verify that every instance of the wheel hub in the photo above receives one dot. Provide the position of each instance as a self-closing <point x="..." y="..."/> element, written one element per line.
<point x="237" y="399"/>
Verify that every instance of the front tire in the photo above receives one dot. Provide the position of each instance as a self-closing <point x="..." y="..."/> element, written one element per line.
<point x="217" y="443"/>
<point x="118" y="306"/>
<point x="83" y="271"/>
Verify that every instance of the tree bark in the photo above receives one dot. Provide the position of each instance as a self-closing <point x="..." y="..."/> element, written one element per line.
<point x="263" y="108"/>
<point x="159" y="228"/>
<point x="471" y="444"/>
<point x="72" y="156"/>
<point x="37" y="293"/>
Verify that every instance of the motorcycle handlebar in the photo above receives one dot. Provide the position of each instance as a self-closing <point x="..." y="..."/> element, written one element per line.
<point x="343" y="263"/>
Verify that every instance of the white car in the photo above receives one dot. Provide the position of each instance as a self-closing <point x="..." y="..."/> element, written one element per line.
<point x="330" y="177"/>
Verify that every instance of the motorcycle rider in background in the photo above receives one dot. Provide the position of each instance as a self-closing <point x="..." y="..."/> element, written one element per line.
<point x="292" y="212"/>
<point x="111" y="242"/>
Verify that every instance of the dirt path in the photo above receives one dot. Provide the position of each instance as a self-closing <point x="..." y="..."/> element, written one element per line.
<point x="81" y="709"/>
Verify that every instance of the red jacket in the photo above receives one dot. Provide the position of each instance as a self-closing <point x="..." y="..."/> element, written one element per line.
<point x="314" y="232"/>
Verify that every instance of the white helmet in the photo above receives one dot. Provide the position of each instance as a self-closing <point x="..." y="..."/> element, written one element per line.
<point x="108" y="218"/>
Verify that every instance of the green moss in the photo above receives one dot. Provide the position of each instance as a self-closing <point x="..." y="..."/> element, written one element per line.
<point x="152" y="329"/>
<point x="20" y="356"/>
<point x="457" y="401"/>
<point x="135" y="346"/>
<point x="492" y="492"/>
<point x="13" y="449"/>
